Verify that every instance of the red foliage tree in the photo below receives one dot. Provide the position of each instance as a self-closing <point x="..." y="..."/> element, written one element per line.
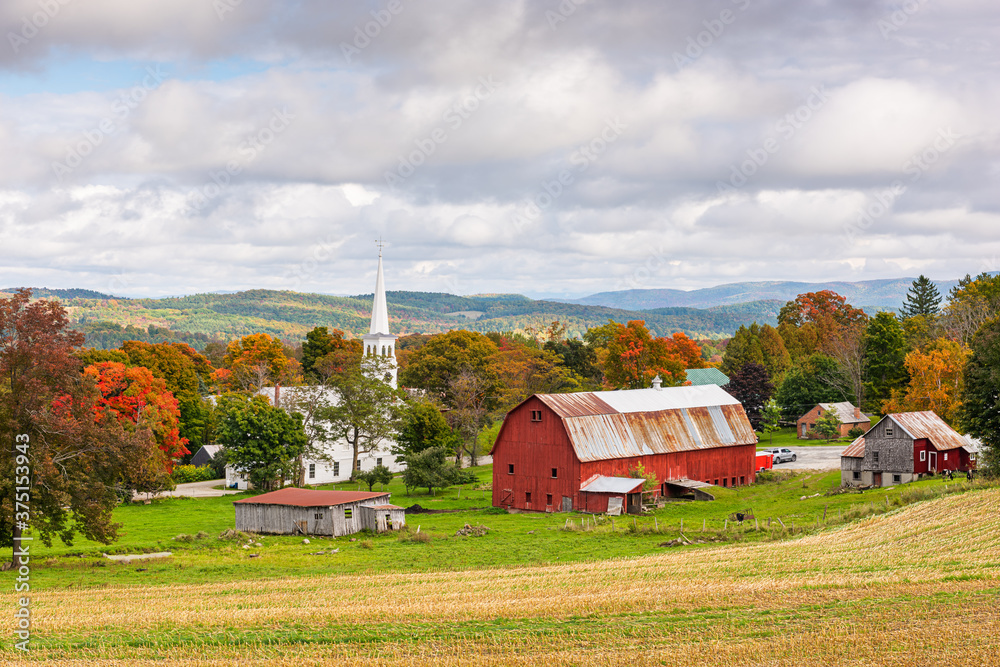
<point x="134" y="396"/>
<point x="635" y="357"/>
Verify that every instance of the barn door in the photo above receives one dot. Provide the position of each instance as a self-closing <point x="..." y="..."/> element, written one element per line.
<point x="507" y="497"/>
<point x="932" y="461"/>
<point x="877" y="479"/>
<point x="567" y="504"/>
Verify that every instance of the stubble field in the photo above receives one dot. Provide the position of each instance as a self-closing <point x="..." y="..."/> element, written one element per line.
<point x="916" y="586"/>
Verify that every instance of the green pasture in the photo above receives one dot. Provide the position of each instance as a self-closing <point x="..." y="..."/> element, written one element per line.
<point x="804" y="502"/>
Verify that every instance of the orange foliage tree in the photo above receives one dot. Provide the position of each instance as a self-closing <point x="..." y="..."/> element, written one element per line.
<point x="635" y="357"/>
<point x="256" y="361"/>
<point x="935" y="381"/>
<point x="133" y="396"/>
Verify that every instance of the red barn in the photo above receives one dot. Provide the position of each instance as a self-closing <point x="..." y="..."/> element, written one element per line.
<point x="551" y="445"/>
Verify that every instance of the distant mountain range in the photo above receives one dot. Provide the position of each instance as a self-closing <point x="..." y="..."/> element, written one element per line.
<point x="871" y="295"/>
<point x="713" y="312"/>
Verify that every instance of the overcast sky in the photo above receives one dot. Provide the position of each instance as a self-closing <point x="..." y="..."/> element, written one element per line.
<point x="159" y="147"/>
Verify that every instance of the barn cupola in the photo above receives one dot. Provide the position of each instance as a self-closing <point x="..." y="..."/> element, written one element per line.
<point x="378" y="342"/>
<point x="657" y="382"/>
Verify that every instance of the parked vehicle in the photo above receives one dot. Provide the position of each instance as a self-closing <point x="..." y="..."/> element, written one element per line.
<point x="781" y="454"/>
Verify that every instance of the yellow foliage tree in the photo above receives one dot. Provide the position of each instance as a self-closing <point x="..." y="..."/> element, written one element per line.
<point x="935" y="381"/>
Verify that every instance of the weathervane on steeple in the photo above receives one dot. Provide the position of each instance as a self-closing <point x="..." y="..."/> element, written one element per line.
<point x="379" y="243"/>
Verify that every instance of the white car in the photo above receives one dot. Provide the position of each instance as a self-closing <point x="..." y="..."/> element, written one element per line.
<point x="781" y="454"/>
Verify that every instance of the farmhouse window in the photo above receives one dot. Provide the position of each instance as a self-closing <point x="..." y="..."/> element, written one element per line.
<point x="896" y="479"/>
<point x="527" y="497"/>
<point x="348" y="512"/>
<point x="548" y="498"/>
<point x="923" y="455"/>
<point x="536" y="415"/>
<point x="378" y="462"/>
<point x="946" y="456"/>
<point x="857" y="475"/>
<point x="312" y="471"/>
<point x="359" y="464"/>
<point x="510" y="468"/>
<point x="336" y="468"/>
<point x="875" y="457"/>
<point x="555" y="473"/>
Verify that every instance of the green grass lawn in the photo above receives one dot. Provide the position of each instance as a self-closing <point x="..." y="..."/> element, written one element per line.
<point x="787" y="437"/>
<point x="798" y="499"/>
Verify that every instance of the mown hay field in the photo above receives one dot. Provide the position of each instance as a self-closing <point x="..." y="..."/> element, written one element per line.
<point x="917" y="586"/>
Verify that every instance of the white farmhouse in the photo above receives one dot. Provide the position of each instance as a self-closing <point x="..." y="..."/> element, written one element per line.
<point x="339" y="454"/>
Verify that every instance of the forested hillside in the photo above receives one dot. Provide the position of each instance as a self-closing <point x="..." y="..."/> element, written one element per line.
<point x="199" y="318"/>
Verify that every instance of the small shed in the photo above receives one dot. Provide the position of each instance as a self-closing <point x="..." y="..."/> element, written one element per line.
<point x="614" y="495"/>
<point x="293" y="511"/>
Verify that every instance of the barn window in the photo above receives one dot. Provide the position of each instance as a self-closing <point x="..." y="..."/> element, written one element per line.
<point x="312" y="470"/>
<point x="548" y="498"/>
<point x="336" y="468"/>
<point x="896" y="479"/>
<point x="555" y="473"/>
<point x="348" y="512"/>
<point x="510" y="468"/>
<point x="724" y="482"/>
<point x="527" y="497"/>
<point x="743" y="480"/>
<point x="378" y="462"/>
<point x="923" y="455"/>
<point x="888" y="430"/>
<point x="318" y="515"/>
<point x="716" y="482"/>
<point x="857" y="475"/>
<point x="875" y="457"/>
<point x="734" y="482"/>
<point x="536" y="415"/>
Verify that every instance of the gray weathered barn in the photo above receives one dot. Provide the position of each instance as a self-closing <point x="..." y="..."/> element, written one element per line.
<point x="309" y="512"/>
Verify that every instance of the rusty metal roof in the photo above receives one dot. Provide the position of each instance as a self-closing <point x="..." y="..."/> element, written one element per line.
<point x="855" y="450"/>
<point x="642" y="422"/>
<point x="928" y="425"/>
<point x="602" y="484"/>
<point x="311" y="497"/>
<point x="845" y="412"/>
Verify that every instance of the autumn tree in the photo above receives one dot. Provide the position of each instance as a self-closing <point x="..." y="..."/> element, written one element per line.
<point x="78" y="465"/>
<point x="751" y="386"/>
<point x="935" y="381"/>
<point x="522" y="370"/>
<point x="133" y="395"/>
<point x="970" y="304"/>
<point x="757" y="345"/>
<point x="262" y="442"/>
<point x="885" y="348"/>
<point x="434" y="365"/>
<point x="635" y="357"/>
<point x="980" y="414"/>
<point x="825" y="311"/>
<point x="254" y="362"/>
<point x="325" y="352"/>
<point x="922" y="299"/>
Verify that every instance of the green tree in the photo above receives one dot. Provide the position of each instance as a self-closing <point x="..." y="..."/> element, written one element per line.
<point x="377" y="475"/>
<point x="325" y="352"/>
<point x="808" y="383"/>
<point x="579" y="358"/>
<point x="366" y="411"/>
<point x="262" y="442"/>
<point x="432" y="469"/>
<point x="980" y="414"/>
<point x="770" y="419"/>
<point x="650" y="481"/>
<point x="828" y="425"/>
<point x="922" y="298"/>
<point x="757" y="345"/>
<point x="435" y="365"/>
<point x="421" y="426"/>
<point x="885" y="349"/>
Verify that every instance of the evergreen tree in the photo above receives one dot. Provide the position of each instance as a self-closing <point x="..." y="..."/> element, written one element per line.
<point x="885" y="347"/>
<point x="922" y="298"/>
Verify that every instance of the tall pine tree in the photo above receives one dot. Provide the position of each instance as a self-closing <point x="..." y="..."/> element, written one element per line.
<point x="922" y="298"/>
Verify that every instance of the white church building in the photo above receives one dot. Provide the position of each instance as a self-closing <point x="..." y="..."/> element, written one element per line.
<point x="336" y="465"/>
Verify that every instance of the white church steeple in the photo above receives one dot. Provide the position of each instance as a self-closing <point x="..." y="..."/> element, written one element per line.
<point x="379" y="342"/>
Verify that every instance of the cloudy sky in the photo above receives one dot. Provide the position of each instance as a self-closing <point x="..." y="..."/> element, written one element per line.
<point x="547" y="147"/>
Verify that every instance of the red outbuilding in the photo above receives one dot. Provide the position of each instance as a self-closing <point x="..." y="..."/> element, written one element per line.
<point x="552" y="445"/>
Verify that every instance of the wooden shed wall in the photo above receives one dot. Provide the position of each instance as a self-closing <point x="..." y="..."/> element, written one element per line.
<point x="382" y="520"/>
<point x="284" y="519"/>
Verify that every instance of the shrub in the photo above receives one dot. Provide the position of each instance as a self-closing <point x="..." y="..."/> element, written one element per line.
<point x="855" y="433"/>
<point x="185" y="474"/>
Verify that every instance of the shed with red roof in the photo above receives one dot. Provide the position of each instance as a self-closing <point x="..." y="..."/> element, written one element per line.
<point x="294" y="511"/>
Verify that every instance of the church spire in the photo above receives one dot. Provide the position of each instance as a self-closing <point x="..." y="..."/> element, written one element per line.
<point x="380" y="313"/>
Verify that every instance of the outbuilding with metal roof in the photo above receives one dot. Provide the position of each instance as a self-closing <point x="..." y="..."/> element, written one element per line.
<point x="551" y="444"/>
<point x="293" y="511"/>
